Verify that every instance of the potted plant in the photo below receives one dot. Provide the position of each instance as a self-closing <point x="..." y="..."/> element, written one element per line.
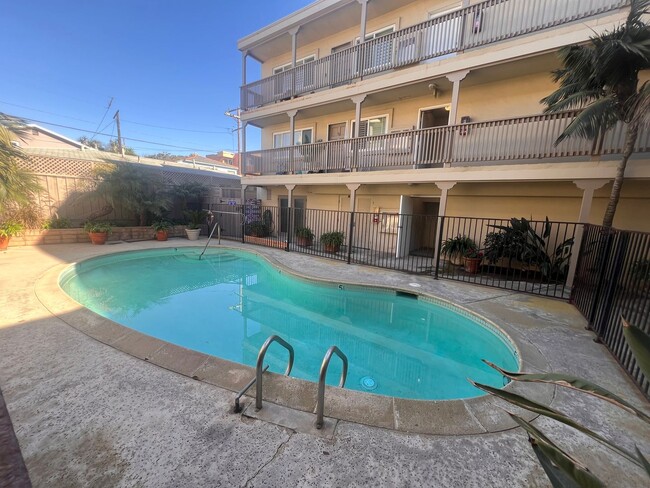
<point x="196" y="219"/>
<point x="98" y="231"/>
<point x="7" y="230"/>
<point x="257" y="228"/>
<point x="332" y="241"/>
<point x="473" y="258"/>
<point x="304" y="236"/>
<point x="455" y="248"/>
<point x="162" y="229"/>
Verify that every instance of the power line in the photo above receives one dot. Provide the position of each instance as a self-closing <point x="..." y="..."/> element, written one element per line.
<point x="162" y="144"/>
<point x="226" y="130"/>
<point x="178" y="129"/>
<point x="104" y="116"/>
<point x="44" y="112"/>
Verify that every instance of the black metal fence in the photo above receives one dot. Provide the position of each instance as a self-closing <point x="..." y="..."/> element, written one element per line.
<point x="517" y="254"/>
<point x="613" y="281"/>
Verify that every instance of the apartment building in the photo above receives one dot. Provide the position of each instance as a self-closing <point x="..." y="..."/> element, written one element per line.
<point x="430" y="107"/>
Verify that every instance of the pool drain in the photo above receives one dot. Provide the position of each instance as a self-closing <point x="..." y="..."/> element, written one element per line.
<point x="368" y="383"/>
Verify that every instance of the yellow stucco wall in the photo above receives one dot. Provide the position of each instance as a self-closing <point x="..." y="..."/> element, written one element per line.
<point x="515" y="97"/>
<point x="558" y="201"/>
<point x="406" y="16"/>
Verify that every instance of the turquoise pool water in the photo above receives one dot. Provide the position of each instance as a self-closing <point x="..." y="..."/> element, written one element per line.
<point x="231" y="301"/>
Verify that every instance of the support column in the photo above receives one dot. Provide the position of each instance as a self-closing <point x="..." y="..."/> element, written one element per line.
<point x="243" y="194"/>
<point x="353" y="187"/>
<point x="242" y="157"/>
<point x="294" y="45"/>
<point x="455" y="78"/>
<point x="444" y="186"/>
<point x="588" y="187"/>
<point x="244" y="57"/>
<point x="292" y="141"/>
<point x="290" y="189"/>
<point x="364" y="19"/>
<point x="357" y="100"/>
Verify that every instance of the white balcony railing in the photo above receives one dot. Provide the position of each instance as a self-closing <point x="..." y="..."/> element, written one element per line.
<point x="477" y="25"/>
<point x="515" y="140"/>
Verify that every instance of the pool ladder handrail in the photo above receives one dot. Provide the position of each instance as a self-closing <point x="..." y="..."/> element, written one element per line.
<point x="260" y="360"/>
<point x="320" y="402"/>
<point x="216" y="226"/>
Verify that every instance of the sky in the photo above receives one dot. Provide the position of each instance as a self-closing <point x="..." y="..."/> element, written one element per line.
<point x="172" y="68"/>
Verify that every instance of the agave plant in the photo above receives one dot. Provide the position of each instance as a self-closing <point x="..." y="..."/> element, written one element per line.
<point x="562" y="469"/>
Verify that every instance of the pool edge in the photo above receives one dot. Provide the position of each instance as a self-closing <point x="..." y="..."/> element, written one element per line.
<point x="478" y="415"/>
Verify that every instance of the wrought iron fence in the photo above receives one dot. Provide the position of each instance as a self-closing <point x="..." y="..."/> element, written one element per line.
<point x="613" y="281"/>
<point x="520" y="255"/>
<point x="515" y="254"/>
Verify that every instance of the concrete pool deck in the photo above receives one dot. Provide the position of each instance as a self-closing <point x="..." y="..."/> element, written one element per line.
<point x="86" y="414"/>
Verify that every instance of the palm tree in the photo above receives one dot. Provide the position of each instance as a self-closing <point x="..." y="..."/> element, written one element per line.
<point x="17" y="186"/>
<point x="601" y="79"/>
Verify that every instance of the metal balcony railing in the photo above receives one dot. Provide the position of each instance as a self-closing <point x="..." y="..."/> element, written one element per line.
<point x="477" y="25"/>
<point x="515" y="140"/>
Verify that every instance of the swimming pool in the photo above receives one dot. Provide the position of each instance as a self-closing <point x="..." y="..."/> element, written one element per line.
<point x="227" y="305"/>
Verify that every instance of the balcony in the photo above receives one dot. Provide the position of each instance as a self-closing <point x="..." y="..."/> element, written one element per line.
<point x="517" y="140"/>
<point x="477" y="25"/>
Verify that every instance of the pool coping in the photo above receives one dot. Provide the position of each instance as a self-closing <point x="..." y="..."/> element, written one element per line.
<point x="477" y="415"/>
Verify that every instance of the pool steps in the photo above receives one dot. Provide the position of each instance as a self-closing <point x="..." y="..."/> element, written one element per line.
<point x="259" y="371"/>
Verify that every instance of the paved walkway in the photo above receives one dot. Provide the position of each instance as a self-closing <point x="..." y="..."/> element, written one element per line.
<point x="86" y="414"/>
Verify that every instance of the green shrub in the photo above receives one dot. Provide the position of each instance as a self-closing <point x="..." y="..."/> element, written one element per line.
<point x="57" y="223"/>
<point x="257" y="228"/>
<point x="94" y="227"/>
<point x="10" y="228"/>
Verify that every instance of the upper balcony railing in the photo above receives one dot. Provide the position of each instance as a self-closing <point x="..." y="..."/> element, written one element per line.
<point x="477" y="25"/>
<point x="516" y="140"/>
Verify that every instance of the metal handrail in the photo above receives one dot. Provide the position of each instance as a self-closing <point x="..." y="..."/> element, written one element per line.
<point x="238" y="408"/>
<point x="260" y="360"/>
<point x="216" y="226"/>
<point x="320" y="405"/>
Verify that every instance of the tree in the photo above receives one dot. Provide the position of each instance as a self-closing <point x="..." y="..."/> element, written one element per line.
<point x="134" y="188"/>
<point x="17" y="185"/>
<point x="94" y="143"/>
<point x="601" y="79"/>
<point x="113" y="146"/>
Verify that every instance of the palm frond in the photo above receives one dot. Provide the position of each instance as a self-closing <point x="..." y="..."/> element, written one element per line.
<point x="594" y="120"/>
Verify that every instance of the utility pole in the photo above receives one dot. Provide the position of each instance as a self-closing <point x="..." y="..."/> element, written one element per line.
<point x="235" y="113"/>
<point x="116" y="117"/>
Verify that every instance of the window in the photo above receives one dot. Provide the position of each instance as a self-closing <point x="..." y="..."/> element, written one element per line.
<point x="443" y="36"/>
<point x="372" y="126"/>
<point x="283" y="139"/>
<point x="299" y="62"/>
<point x="380" y="52"/>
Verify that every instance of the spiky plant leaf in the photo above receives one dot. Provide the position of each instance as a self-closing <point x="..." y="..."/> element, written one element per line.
<point x="574" y="383"/>
<point x="639" y="342"/>
<point x="644" y="461"/>
<point x="562" y="470"/>
<point x="538" y="408"/>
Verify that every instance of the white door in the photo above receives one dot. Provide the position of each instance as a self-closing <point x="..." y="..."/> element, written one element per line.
<point x="404" y="226"/>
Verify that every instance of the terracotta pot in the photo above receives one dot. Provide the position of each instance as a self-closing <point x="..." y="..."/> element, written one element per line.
<point x="332" y="249"/>
<point x="304" y="241"/>
<point x="4" y="243"/>
<point x="161" y="235"/>
<point x="98" y="238"/>
<point x="472" y="265"/>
